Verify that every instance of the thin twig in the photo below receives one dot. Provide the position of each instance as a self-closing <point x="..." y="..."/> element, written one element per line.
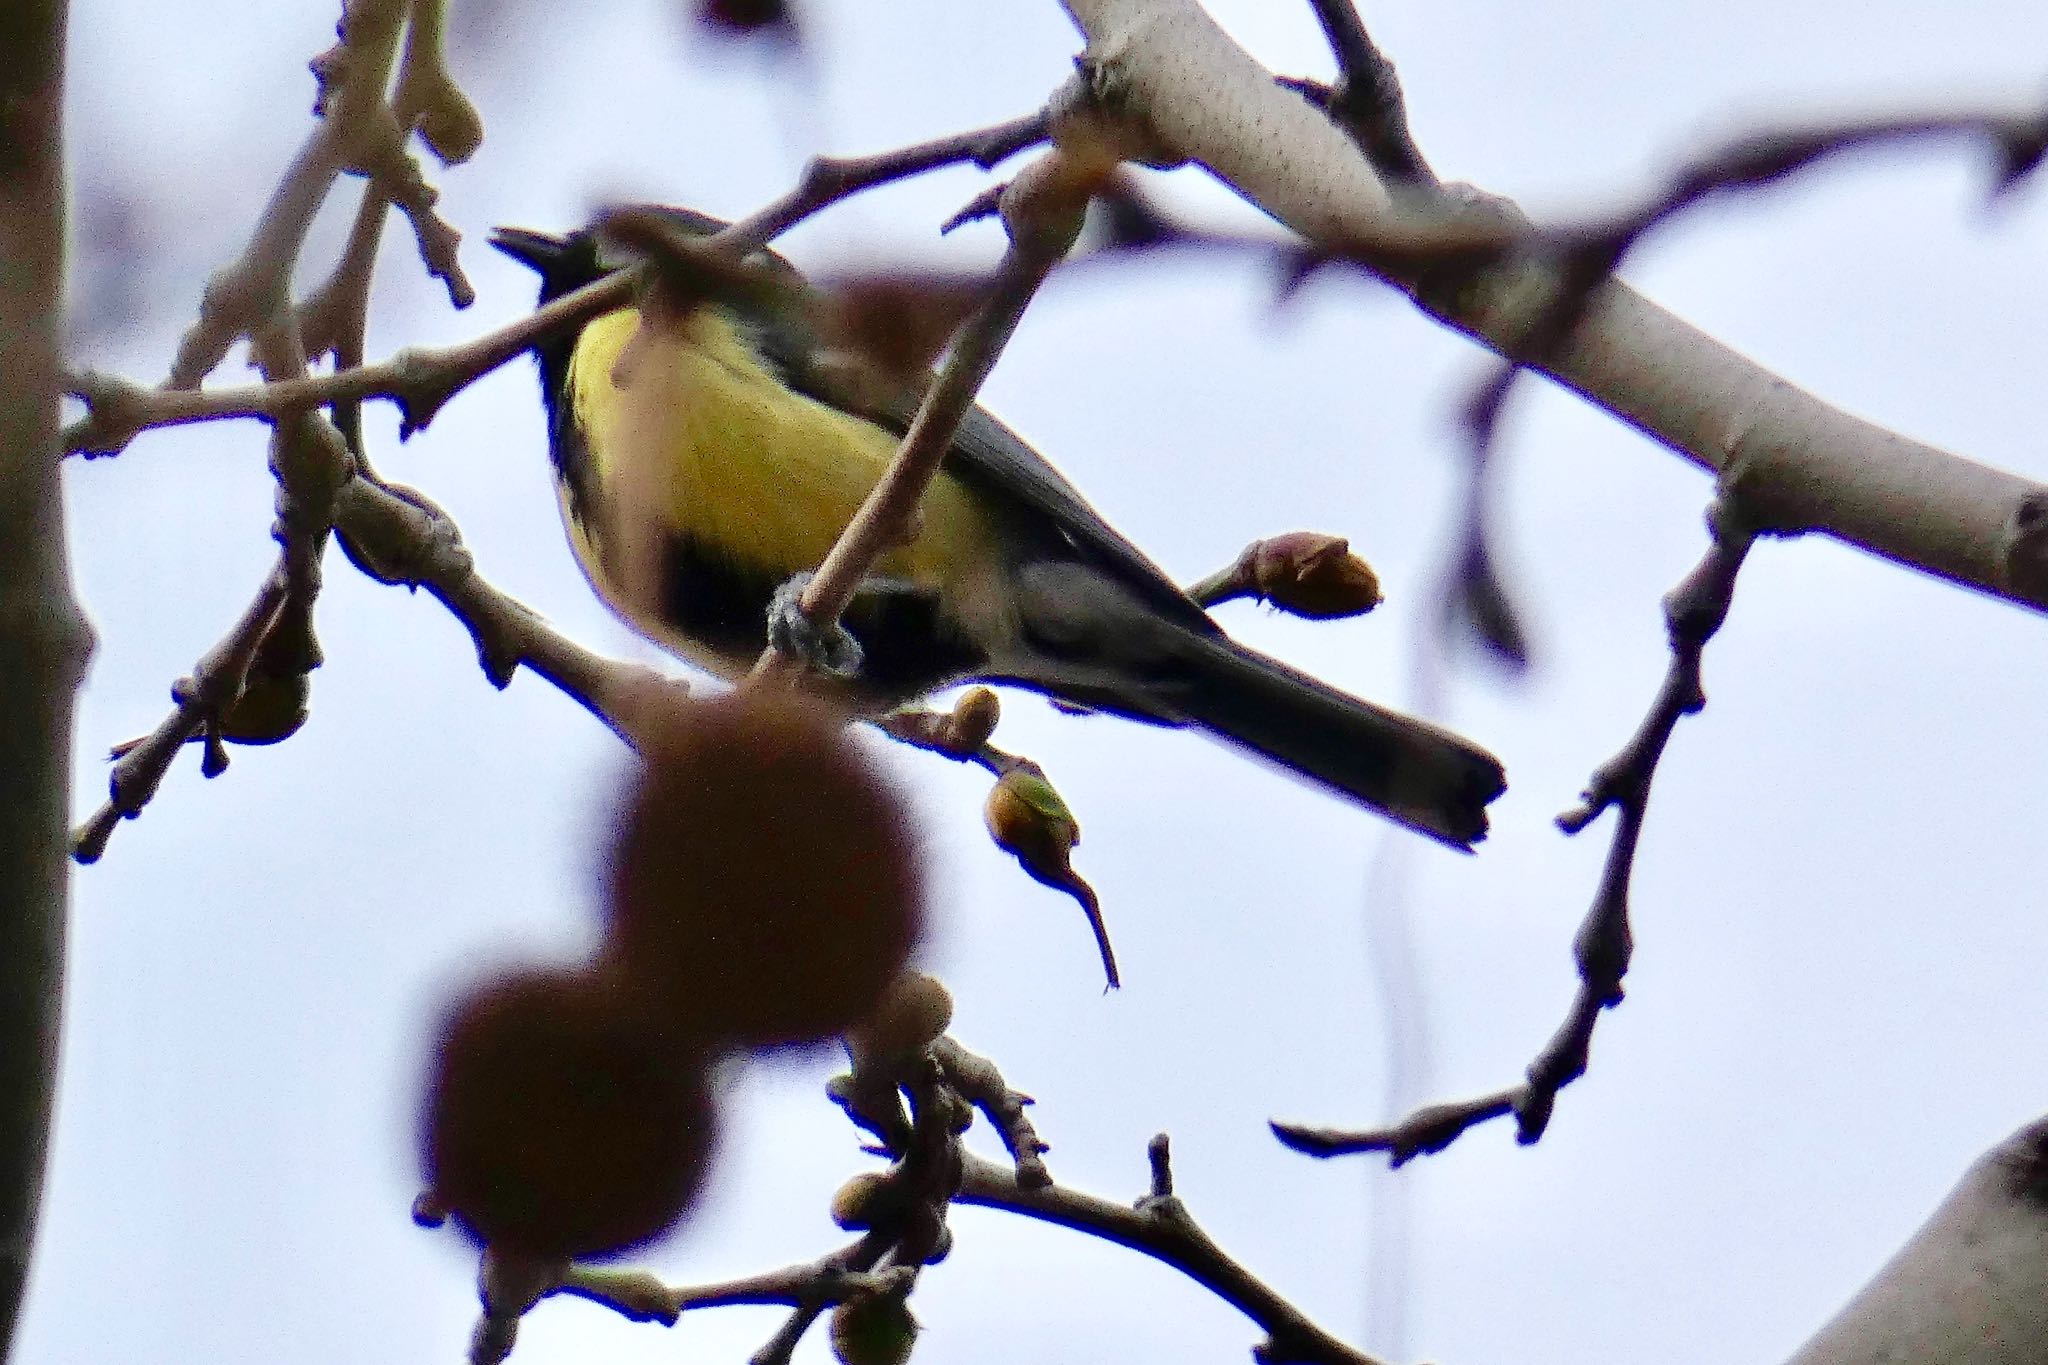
<point x="273" y="647"/>
<point x="427" y="98"/>
<point x="1585" y="255"/>
<point x="250" y="294"/>
<point x="1043" y="208"/>
<point x="1693" y="612"/>
<point x="201" y="700"/>
<point x="828" y="1279"/>
<point x="1366" y="102"/>
<point x="396" y="536"/>
<point x="939" y="732"/>
<point x="829" y="179"/>
<point x="1160" y="1226"/>
<point x="418" y="380"/>
<point x="334" y="319"/>
<point x="980" y="1082"/>
<point x="400" y="536"/>
<point x="934" y="1171"/>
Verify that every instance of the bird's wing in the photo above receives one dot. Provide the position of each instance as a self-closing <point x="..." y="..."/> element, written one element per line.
<point x="994" y="461"/>
<point x="987" y="455"/>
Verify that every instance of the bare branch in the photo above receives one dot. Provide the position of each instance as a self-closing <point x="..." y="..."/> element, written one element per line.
<point x="1802" y="465"/>
<point x="1161" y="1227"/>
<point x="396" y="536"/>
<point x="1693" y="612"/>
<point x="1583" y="256"/>
<point x="202" y="702"/>
<point x="250" y="295"/>
<point x="1970" y="1287"/>
<point x="419" y="381"/>
<point x="829" y="179"/>
<point x="1366" y="102"/>
<point x="252" y="687"/>
<point x="399" y="536"/>
<point x="334" y="319"/>
<point x="907" y="1208"/>
<point x="981" y="1083"/>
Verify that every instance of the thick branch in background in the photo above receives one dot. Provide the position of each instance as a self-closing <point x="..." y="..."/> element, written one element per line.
<point x="44" y="641"/>
<point x="1971" y="1287"/>
<point x="1798" y="462"/>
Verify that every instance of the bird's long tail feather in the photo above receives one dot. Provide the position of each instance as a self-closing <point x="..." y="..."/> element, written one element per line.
<point x="1424" y="777"/>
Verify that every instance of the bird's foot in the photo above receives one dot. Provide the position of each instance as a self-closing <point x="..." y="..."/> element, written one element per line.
<point x="828" y="649"/>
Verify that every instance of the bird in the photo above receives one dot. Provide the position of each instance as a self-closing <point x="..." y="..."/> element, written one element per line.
<point x="708" y="460"/>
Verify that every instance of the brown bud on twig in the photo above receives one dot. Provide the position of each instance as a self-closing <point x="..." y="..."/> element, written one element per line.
<point x="271" y="707"/>
<point x="974" y="719"/>
<point x="960" y="733"/>
<point x="450" y="126"/>
<point x="1304" y="573"/>
<point x="877" y="1330"/>
<point x="1027" y="818"/>
<point x="913" y="1014"/>
<point x="867" y="1199"/>
<point x="428" y="1211"/>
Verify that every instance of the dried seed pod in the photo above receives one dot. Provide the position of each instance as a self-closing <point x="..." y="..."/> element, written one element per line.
<point x="560" y="1120"/>
<point x="764" y="887"/>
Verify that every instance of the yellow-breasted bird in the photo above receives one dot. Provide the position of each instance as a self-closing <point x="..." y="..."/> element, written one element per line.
<point x="738" y="453"/>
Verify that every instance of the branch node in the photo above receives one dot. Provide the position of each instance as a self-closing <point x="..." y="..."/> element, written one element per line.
<point x="1159" y="1153"/>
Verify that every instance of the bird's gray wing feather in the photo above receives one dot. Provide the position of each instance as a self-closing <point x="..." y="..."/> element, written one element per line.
<point x="994" y="461"/>
<point x="986" y="454"/>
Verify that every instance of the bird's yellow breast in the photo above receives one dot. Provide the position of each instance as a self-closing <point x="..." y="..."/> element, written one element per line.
<point x="687" y="427"/>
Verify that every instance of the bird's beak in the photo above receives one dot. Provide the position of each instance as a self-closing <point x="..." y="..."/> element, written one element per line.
<point x="538" y="251"/>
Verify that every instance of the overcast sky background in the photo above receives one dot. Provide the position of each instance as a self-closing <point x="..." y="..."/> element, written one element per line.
<point x="1836" y="1002"/>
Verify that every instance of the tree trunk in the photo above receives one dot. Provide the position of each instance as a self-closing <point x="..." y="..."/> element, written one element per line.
<point x="44" y="641"/>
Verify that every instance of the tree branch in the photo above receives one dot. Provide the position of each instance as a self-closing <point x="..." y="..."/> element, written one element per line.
<point x="1797" y="462"/>
<point x="202" y="703"/>
<point x="251" y="294"/>
<point x="1971" y="1286"/>
<point x="828" y="179"/>
<point x="400" y="536"/>
<point x="1160" y="1226"/>
<point x="1042" y="209"/>
<point x="1366" y="102"/>
<point x="44" y="641"/>
<point x="1693" y="612"/>
<point x="418" y="380"/>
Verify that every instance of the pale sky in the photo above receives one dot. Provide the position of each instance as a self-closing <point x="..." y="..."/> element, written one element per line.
<point x="1835" y="1003"/>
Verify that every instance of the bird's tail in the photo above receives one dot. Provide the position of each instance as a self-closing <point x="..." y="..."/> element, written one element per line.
<point x="1419" y="775"/>
<point x="1085" y="637"/>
